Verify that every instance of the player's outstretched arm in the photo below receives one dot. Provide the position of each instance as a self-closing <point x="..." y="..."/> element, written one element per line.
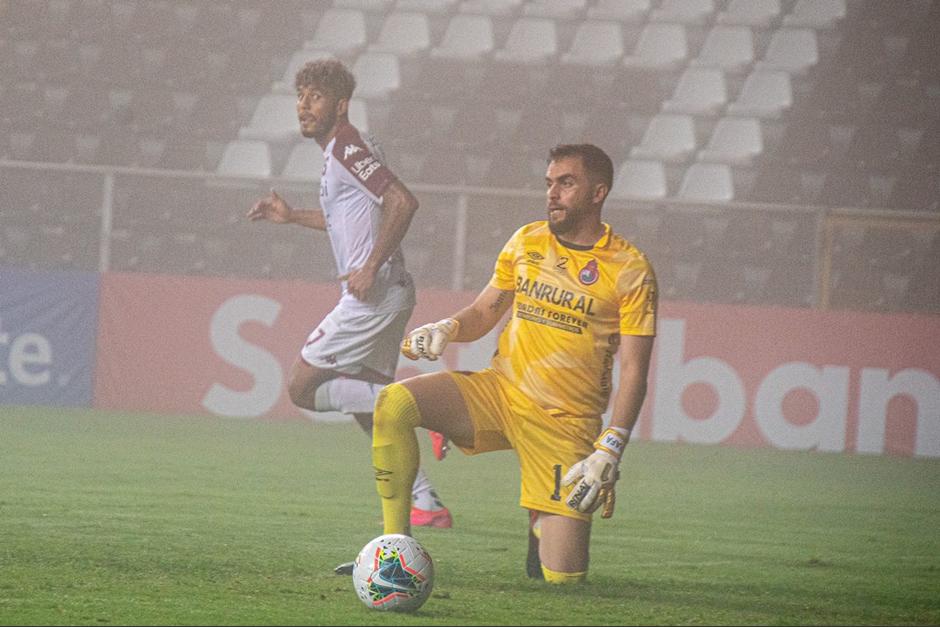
<point x="468" y="324"/>
<point x="275" y="209"/>
<point x="398" y="207"/>
<point x="596" y="475"/>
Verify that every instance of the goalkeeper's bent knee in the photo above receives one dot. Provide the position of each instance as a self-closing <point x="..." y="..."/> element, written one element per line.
<point x="559" y="578"/>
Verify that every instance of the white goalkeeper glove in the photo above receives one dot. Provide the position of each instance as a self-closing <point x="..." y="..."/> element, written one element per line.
<point x="597" y="474"/>
<point x="429" y="341"/>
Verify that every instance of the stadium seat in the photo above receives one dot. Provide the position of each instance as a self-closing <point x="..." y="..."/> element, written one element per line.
<point x="369" y="6"/>
<point x="764" y="95"/>
<point x="274" y="119"/>
<point x="817" y="14"/>
<point x="596" y="43"/>
<point x="378" y="75"/>
<point x="669" y="137"/>
<point x="245" y="157"/>
<point x="569" y="10"/>
<point x="466" y="38"/>
<point x="624" y="11"/>
<point x="305" y="161"/>
<point x="641" y="180"/>
<point x="341" y="31"/>
<point x="735" y="141"/>
<point x="660" y="47"/>
<point x="792" y="50"/>
<point x="500" y="8"/>
<point x="403" y="34"/>
<point x="428" y="7"/>
<point x="359" y="114"/>
<point x="728" y="48"/>
<point x="700" y="91"/>
<point x="689" y="12"/>
<point x="531" y="40"/>
<point x="758" y="14"/>
<point x="707" y="181"/>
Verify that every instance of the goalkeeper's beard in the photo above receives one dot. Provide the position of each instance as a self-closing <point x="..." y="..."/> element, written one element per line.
<point x="566" y="224"/>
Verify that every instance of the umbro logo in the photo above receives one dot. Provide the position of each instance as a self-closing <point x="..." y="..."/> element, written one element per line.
<point x="534" y="256"/>
<point x="351" y="149"/>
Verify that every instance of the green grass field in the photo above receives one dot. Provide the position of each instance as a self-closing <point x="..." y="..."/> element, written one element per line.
<point x="110" y="518"/>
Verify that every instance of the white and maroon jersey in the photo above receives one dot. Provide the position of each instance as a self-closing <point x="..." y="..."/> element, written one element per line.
<point x="351" y="187"/>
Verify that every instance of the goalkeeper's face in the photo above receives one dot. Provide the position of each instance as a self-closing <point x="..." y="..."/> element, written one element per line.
<point x="568" y="194"/>
<point x="317" y="111"/>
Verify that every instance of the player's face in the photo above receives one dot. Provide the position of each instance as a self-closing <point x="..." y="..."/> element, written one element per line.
<point x="317" y="112"/>
<point x="568" y="194"/>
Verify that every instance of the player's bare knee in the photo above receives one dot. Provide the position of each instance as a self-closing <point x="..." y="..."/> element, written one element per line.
<point x="300" y="394"/>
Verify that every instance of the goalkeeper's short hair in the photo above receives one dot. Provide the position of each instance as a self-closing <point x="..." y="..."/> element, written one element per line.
<point x="329" y="75"/>
<point x="595" y="160"/>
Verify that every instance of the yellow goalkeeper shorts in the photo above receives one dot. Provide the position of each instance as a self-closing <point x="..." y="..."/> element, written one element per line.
<point x="547" y="442"/>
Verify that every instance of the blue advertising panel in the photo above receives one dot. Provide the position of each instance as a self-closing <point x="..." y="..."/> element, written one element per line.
<point x="48" y="329"/>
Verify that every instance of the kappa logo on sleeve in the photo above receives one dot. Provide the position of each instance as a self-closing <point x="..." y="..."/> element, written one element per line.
<point x="350" y="150"/>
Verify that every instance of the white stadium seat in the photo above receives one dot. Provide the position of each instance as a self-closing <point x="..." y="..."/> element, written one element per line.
<point x="245" y="157"/>
<point x="707" y="181"/>
<point x="754" y="13"/>
<point x="793" y="50"/>
<point x="735" y="141"/>
<point x="660" y="47"/>
<point x="645" y="180"/>
<point x="729" y="48"/>
<point x="274" y="119"/>
<point x="467" y="37"/>
<point x="764" y="95"/>
<point x="669" y="137"/>
<point x="700" y="91"/>
<point x="595" y="43"/>
<point x="305" y="161"/>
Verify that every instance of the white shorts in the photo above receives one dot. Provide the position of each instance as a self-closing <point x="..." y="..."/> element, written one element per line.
<point x="347" y="342"/>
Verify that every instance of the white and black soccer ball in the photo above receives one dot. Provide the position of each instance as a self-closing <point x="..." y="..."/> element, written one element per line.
<point x="393" y="572"/>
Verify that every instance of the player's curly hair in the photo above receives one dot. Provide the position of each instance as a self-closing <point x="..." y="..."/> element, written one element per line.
<point x="595" y="160"/>
<point x="329" y="75"/>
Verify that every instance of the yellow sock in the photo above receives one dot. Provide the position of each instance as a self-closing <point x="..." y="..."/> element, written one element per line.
<point x="553" y="576"/>
<point x="395" y="454"/>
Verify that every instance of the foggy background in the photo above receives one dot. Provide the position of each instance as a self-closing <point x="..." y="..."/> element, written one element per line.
<point x="779" y="152"/>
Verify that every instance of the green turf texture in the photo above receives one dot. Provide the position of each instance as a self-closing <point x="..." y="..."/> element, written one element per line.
<point x="111" y="518"/>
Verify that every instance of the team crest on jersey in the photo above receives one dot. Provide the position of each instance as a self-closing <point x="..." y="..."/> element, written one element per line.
<point x="589" y="274"/>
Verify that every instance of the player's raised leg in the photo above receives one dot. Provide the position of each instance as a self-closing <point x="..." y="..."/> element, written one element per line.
<point x="432" y="401"/>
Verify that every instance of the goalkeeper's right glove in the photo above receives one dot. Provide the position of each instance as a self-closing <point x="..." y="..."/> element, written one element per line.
<point x="428" y="341"/>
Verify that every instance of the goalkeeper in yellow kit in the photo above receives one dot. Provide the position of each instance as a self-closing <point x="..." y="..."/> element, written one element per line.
<point x="578" y="295"/>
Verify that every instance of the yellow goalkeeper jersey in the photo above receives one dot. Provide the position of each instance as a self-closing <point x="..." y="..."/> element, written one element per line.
<point x="571" y="305"/>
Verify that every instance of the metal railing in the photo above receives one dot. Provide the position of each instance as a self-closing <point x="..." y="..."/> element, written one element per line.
<point x="721" y="252"/>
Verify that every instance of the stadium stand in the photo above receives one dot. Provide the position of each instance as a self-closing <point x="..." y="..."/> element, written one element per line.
<point x="832" y="104"/>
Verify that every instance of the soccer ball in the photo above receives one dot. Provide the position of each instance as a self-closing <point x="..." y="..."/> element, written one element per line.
<point x="393" y="572"/>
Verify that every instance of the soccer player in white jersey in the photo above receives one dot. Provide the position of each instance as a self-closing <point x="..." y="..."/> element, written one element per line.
<point x="365" y="210"/>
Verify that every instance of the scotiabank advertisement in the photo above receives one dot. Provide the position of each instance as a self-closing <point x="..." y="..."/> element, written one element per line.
<point x="47" y="337"/>
<point x="745" y="376"/>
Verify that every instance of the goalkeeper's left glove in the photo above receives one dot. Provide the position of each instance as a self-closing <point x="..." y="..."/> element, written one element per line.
<point x="429" y="340"/>
<point x="597" y="474"/>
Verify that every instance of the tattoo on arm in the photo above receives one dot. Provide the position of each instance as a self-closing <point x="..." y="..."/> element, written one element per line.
<point x="497" y="304"/>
